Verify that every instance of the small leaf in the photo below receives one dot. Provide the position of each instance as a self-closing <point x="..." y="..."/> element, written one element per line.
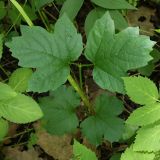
<point x="20" y="109"/>
<point x="141" y="90"/>
<point x="71" y="11"/>
<point x="49" y="53"/>
<point x="116" y="4"/>
<point x="59" y="111"/>
<point x="6" y="92"/>
<point x="3" y="128"/>
<point x="147" y="139"/>
<point x="145" y="115"/>
<point x="105" y="121"/>
<point x="114" y="54"/>
<point x="83" y="153"/>
<point x="129" y="154"/>
<point x="19" y="79"/>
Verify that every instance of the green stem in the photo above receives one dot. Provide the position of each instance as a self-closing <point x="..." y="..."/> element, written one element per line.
<point x="43" y="20"/>
<point x="81" y="93"/>
<point x="46" y="19"/>
<point x="23" y="13"/>
<point x="49" y="14"/>
<point x="4" y="71"/>
<point x="18" y="134"/>
<point x="55" y="7"/>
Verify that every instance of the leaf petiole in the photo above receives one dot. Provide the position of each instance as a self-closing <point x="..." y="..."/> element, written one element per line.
<point x="81" y="93"/>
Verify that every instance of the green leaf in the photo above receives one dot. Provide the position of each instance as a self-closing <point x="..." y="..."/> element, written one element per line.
<point x="147" y="139"/>
<point x="95" y="14"/>
<point x="71" y="11"/>
<point x="16" y="17"/>
<point x="157" y="155"/>
<point x="49" y="53"/>
<point x="1" y="45"/>
<point x="20" y="109"/>
<point x="129" y="154"/>
<point x="119" y="20"/>
<point x="3" y="10"/>
<point x="115" y="156"/>
<point x="19" y="79"/>
<point x="145" y="115"/>
<point x="83" y="153"/>
<point x="156" y="55"/>
<point x="141" y="90"/>
<point x="114" y="54"/>
<point x="157" y="30"/>
<point x="110" y="4"/>
<point x="129" y="131"/>
<point x="6" y="92"/>
<point x="60" y="1"/>
<point x="40" y="3"/>
<point x="3" y="128"/>
<point x="105" y="121"/>
<point x="30" y="12"/>
<point x="92" y="17"/>
<point x="59" y="111"/>
<point x="147" y="70"/>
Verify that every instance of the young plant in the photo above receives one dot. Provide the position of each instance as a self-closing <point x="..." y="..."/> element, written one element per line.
<point x="52" y="54"/>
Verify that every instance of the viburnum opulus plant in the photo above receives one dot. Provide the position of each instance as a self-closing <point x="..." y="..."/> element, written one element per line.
<point x="112" y="54"/>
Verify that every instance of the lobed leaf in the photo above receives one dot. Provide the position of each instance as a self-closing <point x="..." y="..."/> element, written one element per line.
<point x="59" y="111"/>
<point x="114" y="54"/>
<point x="49" y="53"/>
<point x="105" y="122"/>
